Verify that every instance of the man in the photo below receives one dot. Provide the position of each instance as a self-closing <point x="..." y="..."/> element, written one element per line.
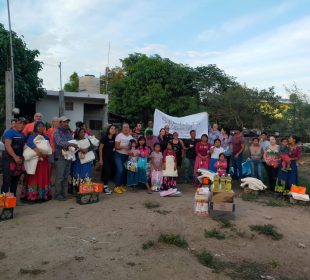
<point x="190" y="157"/>
<point x="150" y="139"/>
<point x="29" y="127"/>
<point x="149" y="126"/>
<point x="214" y="133"/>
<point x="12" y="160"/>
<point x="137" y="131"/>
<point x="168" y="135"/>
<point x="61" y="137"/>
<point x="237" y="153"/>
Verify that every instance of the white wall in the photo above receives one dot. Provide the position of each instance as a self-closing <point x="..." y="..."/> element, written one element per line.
<point x="49" y="108"/>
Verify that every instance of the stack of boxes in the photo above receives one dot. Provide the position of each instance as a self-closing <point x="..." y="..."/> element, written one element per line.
<point x="89" y="193"/>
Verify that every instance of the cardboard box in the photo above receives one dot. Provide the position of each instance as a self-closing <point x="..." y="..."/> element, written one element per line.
<point x="87" y="198"/>
<point x="7" y="201"/>
<point x="223" y="197"/>
<point x="90" y="188"/>
<point x="97" y="187"/>
<point x="222" y="206"/>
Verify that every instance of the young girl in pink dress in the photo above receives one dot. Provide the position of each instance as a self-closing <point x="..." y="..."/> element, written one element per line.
<point x="221" y="165"/>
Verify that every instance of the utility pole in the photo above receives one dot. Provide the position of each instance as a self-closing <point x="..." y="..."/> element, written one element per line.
<point x="107" y="71"/>
<point x="8" y="99"/>
<point x="61" y="95"/>
<point x="9" y="80"/>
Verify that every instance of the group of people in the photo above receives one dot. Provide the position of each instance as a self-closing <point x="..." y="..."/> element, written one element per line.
<point x="136" y="157"/>
<point x="280" y="161"/>
<point x="37" y="186"/>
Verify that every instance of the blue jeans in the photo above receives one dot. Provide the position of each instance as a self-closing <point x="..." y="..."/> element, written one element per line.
<point x="120" y="172"/>
<point x="237" y="164"/>
<point x="256" y="169"/>
<point x="188" y="165"/>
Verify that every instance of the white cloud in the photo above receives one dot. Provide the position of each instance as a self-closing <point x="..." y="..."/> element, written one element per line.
<point x="77" y="33"/>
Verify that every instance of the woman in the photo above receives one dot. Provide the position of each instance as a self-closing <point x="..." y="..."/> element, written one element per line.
<point x="120" y="157"/>
<point x="202" y="154"/>
<point x="226" y="141"/>
<point x="37" y="187"/>
<point x="106" y="157"/>
<point x="272" y="157"/>
<point x="291" y="176"/>
<point x="256" y="155"/>
<point x="80" y="173"/>
<point x="178" y="147"/>
<point x="161" y="139"/>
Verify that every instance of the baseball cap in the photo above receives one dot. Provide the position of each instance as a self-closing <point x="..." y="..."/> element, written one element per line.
<point x="64" y="119"/>
<point x="21" y="119"/>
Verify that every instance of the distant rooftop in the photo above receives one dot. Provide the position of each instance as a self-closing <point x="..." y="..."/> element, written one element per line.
<point x="80" y="94"/>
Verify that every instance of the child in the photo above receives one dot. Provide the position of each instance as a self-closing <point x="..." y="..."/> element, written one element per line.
<point x="221" y="165"/>
<point x="284" y="151"/>
<point x="157" y="168"/>
<point x="131" y="165"/>
<point x="216" y="150"/>
<point x="142" y="162"/>
<point x="170" y="168"/>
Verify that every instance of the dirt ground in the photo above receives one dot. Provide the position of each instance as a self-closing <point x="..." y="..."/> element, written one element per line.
<point x="64" y="240"/>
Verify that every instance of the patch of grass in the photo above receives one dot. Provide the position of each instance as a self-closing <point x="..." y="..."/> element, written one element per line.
<point x="214" y="233"/>
<point x="267" y="229"/>
<point x="274" y="264"/>
<point x="173" y="239"/>
<point x="147" y="245"/>
<point x="151" y="204"/>
<point x="249" y="196"/>
<point x="224" y="222"/>
<point x="162" y="212"/>
<point x="246" y="270"/>
<point x="277" y="203"/>
<point x="32" y="271"/>
<point x="205" y="258"/>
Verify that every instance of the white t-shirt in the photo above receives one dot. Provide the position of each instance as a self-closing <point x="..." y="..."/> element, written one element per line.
<point x="216" y="152"/>
<point x="124" y="142"/>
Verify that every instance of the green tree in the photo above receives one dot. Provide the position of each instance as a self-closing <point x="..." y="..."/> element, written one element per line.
<point x="298" y="113"/>
<point x="212" y="80"/>
<point x="114" y="74"/>
<point x="152" y="82"/>
<point x="73" y="85"/>
<point x="243" y="107"/>
<point x="28" y="86"/>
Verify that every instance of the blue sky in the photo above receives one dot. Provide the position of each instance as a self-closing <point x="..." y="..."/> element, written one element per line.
<point x="262" y="43"/>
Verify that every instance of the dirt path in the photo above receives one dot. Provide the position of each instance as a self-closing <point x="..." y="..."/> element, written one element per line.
<point x="63" y="240"/>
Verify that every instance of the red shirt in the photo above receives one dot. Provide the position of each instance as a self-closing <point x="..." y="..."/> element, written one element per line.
<point x="169" y="153"/>
<point x="50" y="133"/>
<point x="203" y="148"/>
<point x="237" y="141"/>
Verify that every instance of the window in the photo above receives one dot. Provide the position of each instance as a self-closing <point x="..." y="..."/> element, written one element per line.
<point x="95" y="125"/>
<point x="69" y="106"/>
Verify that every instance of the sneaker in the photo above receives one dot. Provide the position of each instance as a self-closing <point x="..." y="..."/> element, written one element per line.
<point x="123" y="189"/>
<point x="107" y="191"/>
<point x="118" y="190"/>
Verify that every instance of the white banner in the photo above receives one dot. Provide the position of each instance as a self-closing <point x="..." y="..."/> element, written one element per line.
<point x="183" y="125"/>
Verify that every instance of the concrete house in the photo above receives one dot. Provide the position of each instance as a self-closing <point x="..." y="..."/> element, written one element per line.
<point x="87" y="107"/>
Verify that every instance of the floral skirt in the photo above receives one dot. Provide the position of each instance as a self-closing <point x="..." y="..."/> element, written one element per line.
<point x="80" y="173"/>
<point x="169" y="182"/>
<point x="37" y="187"/>
<point x="156" y="180"/>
